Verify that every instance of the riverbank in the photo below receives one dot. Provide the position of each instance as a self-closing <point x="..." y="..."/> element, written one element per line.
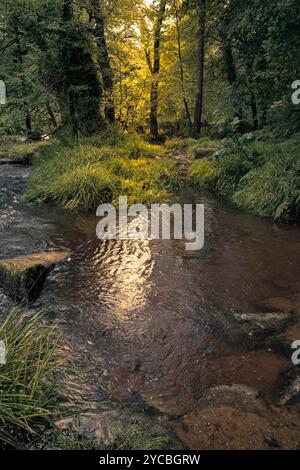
<point x="98" y="169"/>
<point x="259" y="172"/>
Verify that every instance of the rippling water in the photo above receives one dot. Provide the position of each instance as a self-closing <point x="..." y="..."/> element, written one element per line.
<point x="142" y="310"/>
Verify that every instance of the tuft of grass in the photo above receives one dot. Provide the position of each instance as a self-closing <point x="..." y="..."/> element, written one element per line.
<point x="83" y="186"/>
<point x="136" y="147"/>
<point x="204" y="173"/>
<point x="27" y="380"/>
<point x="139" y="437"/>
<point x="84" y="175"/>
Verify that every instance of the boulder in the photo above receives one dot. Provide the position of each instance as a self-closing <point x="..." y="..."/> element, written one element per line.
<point x="23" y="277"/>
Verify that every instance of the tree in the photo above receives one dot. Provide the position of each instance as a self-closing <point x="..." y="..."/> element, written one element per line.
<point x="103" y="60"/>
<point x="201" y="12"/>
<point x="182" y="77"/>
<point x="155" y="68"/>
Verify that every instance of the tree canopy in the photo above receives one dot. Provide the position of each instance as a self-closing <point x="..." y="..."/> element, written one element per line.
<point x="162" y="67"/>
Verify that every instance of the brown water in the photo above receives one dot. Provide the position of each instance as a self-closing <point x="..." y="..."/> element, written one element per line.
<point x="142" y="311"/>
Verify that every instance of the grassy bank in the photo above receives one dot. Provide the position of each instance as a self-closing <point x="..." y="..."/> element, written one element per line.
<point x="30" y="386"/>
<point x="27" y="380"/>
<point x="12" y="148"/>
<point x="99" y="169"/>
<point x="258" y="172"/>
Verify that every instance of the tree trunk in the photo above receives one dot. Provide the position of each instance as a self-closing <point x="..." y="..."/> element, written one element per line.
<point x="200" y="69"/>
<point x="82" y="90"/>
<point x="155" y="71"/>
<point x="232" y="80"/>
<point x="104" y="63"/>
<point x="254" y="112"/>
<point x="52" y="117"/>
<point x="19" y="59"/>
<point x="185" y="102"/>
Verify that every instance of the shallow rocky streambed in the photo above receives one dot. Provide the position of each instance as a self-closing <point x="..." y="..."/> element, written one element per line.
<point x="196" y="343"/>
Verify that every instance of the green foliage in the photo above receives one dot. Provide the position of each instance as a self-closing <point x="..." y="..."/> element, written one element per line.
<point x="196" y="148"/>
<point x="136" y="147"/>
<point x="273" y="190"/>
<point x="176" y="143"/>
<point x="83" y="176"/>
<point x="262" y="176"/>
<point x="27" y="381"/>
<point x="204" y="173"/>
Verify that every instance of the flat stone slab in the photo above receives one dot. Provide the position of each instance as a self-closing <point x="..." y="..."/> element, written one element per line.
<point x="23" y="277"/>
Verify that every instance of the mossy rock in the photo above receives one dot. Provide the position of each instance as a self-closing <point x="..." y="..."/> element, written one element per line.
<point x="23" y="277"/>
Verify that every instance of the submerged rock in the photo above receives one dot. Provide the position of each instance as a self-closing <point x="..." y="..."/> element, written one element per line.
<point x="289" y="388"/>
<point x="23" y="277"/>
<point x="250" y="330"/>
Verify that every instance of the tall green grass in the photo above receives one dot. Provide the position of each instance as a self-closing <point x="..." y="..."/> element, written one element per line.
<point x="27" y="380"/>
<point x="99" y="169"/>
<point x="273" y="190"/>
<point x="261" y="176"/>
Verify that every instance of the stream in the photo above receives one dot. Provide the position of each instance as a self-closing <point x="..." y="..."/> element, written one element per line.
<point x="140" y="313"/>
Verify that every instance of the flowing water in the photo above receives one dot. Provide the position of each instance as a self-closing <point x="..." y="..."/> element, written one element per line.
<point x="142" y="311"/>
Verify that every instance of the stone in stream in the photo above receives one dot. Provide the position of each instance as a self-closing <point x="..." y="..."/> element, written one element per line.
<point x="251" y="330"/>
<point x="23" y="277"/>
<point x="288" y="391"/>
<point x="240" y="396"/>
